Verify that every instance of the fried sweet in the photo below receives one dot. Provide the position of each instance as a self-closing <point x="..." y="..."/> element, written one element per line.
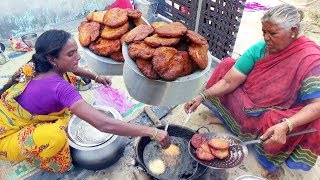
<point x="165" y="64"/>
<point x="134" y="14"/>
<point x="171" y="155"/>
<point x="147" y="69"/>
<point x="218" y="143"/>
<point x="204" y="153"/>
<point x="183" y="58"/>
<point x="140" y="50"/>
<point x="117" y="56"/>
<point x="220" y="153"/>
<point x="175" y="29"/>
<point x="88" y="32"/>
<point x="96" y="16"/>
<point x="138" y="33"/>
<point x="115" y="17"/>
<point x="105" y="47"/>
<point x="170" y="63"/>
<point x="139" y="22"/>
<point x="123" y="37"/>
<point x="157" y="41"/>
<point x="156" y="166"/>
<point x="172" y="150"/>
<point x="199" y="55"/>
<point x="114" y="33"/>
<point x="197" y="140"/>
<point x="196" y="38"/>
<point x="156" y="25"/>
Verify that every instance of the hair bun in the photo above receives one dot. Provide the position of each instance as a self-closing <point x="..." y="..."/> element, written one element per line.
<point x="41" y="63"/>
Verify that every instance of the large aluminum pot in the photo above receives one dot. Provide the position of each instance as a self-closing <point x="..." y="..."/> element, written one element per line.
<point x="102" y="65"/>
<point x="159" y="92"/>
<point x="101" y="153"/>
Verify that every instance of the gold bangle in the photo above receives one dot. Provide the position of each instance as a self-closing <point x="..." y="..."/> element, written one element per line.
<point x="289" y="124"/>
<point x="154" y="136"/>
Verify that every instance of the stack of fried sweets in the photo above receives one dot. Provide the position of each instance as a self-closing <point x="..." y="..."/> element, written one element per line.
<point x="103" y="30"/>
<point x="166" y="50"/>
<point x="207" y="150"/>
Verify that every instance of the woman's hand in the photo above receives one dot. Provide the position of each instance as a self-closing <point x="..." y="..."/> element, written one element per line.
<point x="163" y="138"/>
<point x="103" y="80"/>
<point x="192" y="105"/>
<point x="276" y="134"/>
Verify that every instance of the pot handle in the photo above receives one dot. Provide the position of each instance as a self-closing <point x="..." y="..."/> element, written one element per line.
<point x="202" y="127"/>
<point x="137" y="162"/>
<point x="152" y="116"/>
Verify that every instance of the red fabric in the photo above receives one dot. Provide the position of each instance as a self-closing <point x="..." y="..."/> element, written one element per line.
<point x="274" y="81"/>
<point x="123" y="4"/>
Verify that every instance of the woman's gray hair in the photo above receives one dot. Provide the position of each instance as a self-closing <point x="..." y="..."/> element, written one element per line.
<point x="285" y="16"/>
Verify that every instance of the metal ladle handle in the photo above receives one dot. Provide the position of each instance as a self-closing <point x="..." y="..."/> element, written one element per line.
<point x="302" y="132"/>
<point x="288" y="136"/>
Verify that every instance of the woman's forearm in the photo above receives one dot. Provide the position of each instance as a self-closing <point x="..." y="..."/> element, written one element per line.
<point x="307" y="114"/>
<point x="84" y="73"/>
<point x="106" y="124"/>
<point x="227" y="84"/>
<point x="221" y="88"/>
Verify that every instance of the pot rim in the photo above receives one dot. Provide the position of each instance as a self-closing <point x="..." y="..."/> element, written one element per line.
<point x="91" y="148"/>
<point x="102" y="59"/>
<point x="77" y="144"/>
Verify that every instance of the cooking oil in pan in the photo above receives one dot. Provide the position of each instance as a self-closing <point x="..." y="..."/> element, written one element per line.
<point x="180" y="166"/>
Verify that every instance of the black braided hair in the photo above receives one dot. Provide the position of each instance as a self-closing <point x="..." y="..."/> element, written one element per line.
<point x="50" y="43"/>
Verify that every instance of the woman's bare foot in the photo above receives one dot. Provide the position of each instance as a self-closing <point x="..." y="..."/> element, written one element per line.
<point x="214" y="120"/>
<point x="269" y="175"/>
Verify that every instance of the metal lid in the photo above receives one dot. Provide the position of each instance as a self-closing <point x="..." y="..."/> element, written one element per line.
<point x="83" y="134"/>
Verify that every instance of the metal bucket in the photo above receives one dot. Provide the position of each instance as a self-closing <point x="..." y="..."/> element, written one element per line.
<point x="148" y="8"/>
<point x="160" y="92"/>
<point x="102" y="65"/>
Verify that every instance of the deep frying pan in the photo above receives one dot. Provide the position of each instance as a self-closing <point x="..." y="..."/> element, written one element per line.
<point x="238" y="150"/>
<point x="176" y="131"/>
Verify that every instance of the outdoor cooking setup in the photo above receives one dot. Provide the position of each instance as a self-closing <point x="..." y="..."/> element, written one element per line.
<point x="162" y="93"/>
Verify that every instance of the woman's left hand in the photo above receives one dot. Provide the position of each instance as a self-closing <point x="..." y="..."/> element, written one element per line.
<point x="103" y="80"/>
<point x="276" y="134"/>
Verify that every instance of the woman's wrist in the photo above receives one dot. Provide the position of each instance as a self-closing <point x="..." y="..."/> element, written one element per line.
<point x="204" y="95"/>
<point x="96" y="77"/>
<point x="154" y="134"/>
<point x="288" y="124"/>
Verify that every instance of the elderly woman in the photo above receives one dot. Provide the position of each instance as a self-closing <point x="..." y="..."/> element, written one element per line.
<point x="273" y="89"/>
<point x="35" y="111"/>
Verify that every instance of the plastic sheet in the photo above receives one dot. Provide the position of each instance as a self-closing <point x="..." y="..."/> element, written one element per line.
<point x="112" y="97"/>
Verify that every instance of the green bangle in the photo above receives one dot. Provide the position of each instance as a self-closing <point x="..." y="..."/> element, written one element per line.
<point x="203" y="95"/>
<point x="154" y="136"/>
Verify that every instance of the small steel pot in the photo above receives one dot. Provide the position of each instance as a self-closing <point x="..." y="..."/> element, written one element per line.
<point x="30" y="39"/>
<point x="96" y="155"/>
